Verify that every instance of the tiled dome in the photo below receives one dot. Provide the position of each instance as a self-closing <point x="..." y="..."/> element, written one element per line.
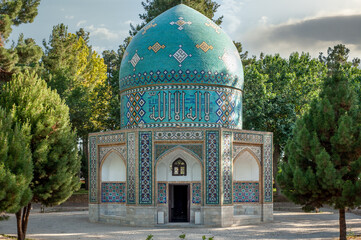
<point x="181" y="70"/>
<point x="181" y="46"/>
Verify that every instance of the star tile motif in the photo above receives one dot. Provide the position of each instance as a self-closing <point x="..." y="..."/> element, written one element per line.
<point x="156" y="47"/>
<point x="180" y="23"/>
<point x="180" y="55"/>
<point x="204" y="46"/>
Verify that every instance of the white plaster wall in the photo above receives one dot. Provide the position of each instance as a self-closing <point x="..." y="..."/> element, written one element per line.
<point x="245" y="168"/>
<point x="113" y="168"/>
<point x="164" y="167"/>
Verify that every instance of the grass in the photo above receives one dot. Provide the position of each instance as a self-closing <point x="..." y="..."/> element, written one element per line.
<point x="81" y="191"/>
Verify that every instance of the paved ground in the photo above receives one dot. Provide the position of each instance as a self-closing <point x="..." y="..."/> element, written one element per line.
<point x="286" y="225"/>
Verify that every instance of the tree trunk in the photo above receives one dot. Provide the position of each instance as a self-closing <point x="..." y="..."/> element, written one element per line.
<point x="22" y="218"/>
<point x="276" y="157"/>
<point x="342" y="220"/>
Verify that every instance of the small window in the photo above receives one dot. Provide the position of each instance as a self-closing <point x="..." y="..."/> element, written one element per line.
<point x="179" y="168"/>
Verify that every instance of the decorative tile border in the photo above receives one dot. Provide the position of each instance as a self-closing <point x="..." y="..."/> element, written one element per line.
<point x="227" y="168"/>
<point x="248" y="137"/>
<point x="162" y="193"/>
<point x="267" y="174"/>
<point x="160" y="149"/>
<point x="196" y="193"/>
<point x="178" y="76"/>
<point x="179" y="135"/>
<point x="145" y="168"/>
<point x="105" y="150"/>
<point x="131" y="168"/>
<point x="93" y="170"/>
<point x="212" y="167"/>
<point x="256" y="150"/>
<point x="111" y="138"/>
<point x="245" y="192"/>
<point x="113" y="192"/>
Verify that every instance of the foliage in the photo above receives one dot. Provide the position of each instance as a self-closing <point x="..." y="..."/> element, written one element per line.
<point x="153" y="8"/>
<point x="16" y="168"/>
<point x="29" y="53"/>
<point x="13" y="12"/>
<point x="52" y="141"/>
<point x="277" y="91"/>
<point x="182" y="236"/>
<point x="324" y="155"/>
<point x="79" y="76"/>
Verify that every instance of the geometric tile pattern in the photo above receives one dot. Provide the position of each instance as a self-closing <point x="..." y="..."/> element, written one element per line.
<point x="196" y="193"/>
<point x="93" y="170"/>
<point x="197" y="149"/>
<point x="105" y="150"/>
<point x="204" y="46"/>
<point x="145" y="168"/>
<point x="135" y="103"/>
<point x="227" y="168"/>
<point x="179" y="135"/>
<point x="135" y="59"/>
<point x="113" y="192"/>
<point x="176" y="75"/>
<point x="225" y="111"/>
<point x="248" y="137"/>
<point x="180" y="55"/>
<point x="256" y="150"/>
<point x="245" y="192"/>
<point x="111" y="138"/>
<point x="180" y="23"/>
<point x="156" y="47"/>
<point x="267" y="153"/>
<point x="131" y="168"/>
<point x="212" y="167"/>
<point x="162" y="193"/>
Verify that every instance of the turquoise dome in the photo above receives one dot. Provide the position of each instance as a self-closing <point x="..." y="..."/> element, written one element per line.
<point x="181" y="46"/>
<point x="181" y="70"/>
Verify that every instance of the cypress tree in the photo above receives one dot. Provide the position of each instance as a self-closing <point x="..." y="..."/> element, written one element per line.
<point x="52" y="141"/>
<point x="16" y="168"/>
<point x="323" y="158"/>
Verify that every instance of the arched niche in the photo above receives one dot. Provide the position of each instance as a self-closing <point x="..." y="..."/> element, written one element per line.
<point x="246" y="167"/>
<point x="113" y="168"/>
<point x="164" y="166"/>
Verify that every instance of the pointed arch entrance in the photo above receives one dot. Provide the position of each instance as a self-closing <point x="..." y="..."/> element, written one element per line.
<point x="179" y="179"/>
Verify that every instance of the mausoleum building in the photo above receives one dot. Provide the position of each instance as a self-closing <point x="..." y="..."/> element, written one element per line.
<point x="181" y="154"/>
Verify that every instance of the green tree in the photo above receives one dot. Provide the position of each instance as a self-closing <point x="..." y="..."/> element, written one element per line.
<point x="153" y="8"/>
<point x="52" y="141"/>
<point x="323" y="158"/>
<point x="276" y="92"/>
<point x="16" y="168"/>
<point x="78" y="74"/>
<point x="29" y="54"/>
<point x="13" y="12"/>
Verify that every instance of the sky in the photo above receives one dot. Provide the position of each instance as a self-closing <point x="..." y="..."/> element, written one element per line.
<point x="268" y="26"/>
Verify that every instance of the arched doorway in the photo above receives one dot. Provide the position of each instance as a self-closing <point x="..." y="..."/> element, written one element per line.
<point x="178" y="175"/>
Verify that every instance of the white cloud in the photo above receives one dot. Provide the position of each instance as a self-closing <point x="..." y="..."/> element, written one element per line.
<point x="310" y="34"/>
<point x="231" y="10"/>
<point x="102" y="32"/>
<point x="81" y="22"/>
<point x="69" y="17"/>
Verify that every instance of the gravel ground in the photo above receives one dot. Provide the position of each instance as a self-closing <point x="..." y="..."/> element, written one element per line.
<point x="286" y="225"/>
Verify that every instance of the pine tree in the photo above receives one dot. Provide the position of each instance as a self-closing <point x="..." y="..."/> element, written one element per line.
<point x="52" y="141"/>
<point x="16" y="168"/>
<point x="323" y="158"/>
<point x="153" y="8"/>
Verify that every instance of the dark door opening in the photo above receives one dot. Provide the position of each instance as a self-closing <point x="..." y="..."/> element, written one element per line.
<point x="179" y="203"/>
